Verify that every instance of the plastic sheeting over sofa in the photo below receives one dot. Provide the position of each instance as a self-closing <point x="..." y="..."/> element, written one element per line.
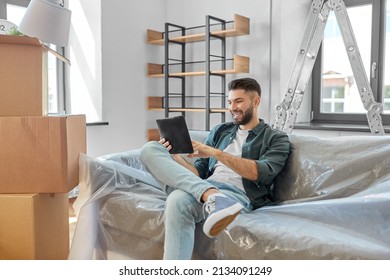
<point x="334" y="204"/>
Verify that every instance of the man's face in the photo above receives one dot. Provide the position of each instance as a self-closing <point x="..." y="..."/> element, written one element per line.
<point x="241" y="106"/>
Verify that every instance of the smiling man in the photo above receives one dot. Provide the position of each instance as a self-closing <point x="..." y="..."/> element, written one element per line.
<point x="234" y="172"/>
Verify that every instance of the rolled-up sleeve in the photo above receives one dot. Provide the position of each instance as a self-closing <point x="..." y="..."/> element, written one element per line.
<point x="272" y="161"/>
<point x="201" y="164"/>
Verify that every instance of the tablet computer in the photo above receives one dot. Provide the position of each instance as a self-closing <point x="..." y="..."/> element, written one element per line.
<point x="176" y="132"/>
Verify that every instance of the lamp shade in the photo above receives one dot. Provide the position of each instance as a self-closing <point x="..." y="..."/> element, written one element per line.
<point x="47" y="21"/>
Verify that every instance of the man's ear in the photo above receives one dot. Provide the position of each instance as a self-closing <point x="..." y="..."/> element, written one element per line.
<point x="257" y="100"/>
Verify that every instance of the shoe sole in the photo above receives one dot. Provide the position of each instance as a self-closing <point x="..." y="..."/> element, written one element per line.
<point x="224" y="222"/>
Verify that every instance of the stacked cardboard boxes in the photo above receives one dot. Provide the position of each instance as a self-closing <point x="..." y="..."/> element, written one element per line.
<point x="39" y="156"/>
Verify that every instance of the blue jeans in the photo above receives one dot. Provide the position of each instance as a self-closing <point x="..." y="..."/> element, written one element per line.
<point x="183" y="209"/>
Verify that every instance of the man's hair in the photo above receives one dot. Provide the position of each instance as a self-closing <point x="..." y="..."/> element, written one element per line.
<point x="247" y="84"/>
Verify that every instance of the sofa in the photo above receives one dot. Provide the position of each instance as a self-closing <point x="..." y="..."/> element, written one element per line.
<point x="333" y="203"/>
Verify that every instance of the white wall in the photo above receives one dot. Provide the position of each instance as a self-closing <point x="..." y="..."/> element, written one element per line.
<point x="276" y="30"/>
<point x="124" y="58"/>
<point x="85" y="75"/>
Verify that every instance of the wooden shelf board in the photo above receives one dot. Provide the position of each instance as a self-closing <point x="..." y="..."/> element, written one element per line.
<point x="156" y="42"/>
<point x="227" y="71"/>
<point x="213" y="110"/>
<point x="228" y="33"/>
<point x="199" y="37"/>
<point x="153" y="134"/>
<point x="190" y="38"/>
<point x="199" y="73"/>
<point x="154" y="37"/>
<point x="240" y="65"/>
<point x="154" y="69"/>
<point x="154" y="102"/>
<point x="202" y="73"/>
<point x="196" y="73"/>
<point x="241" y="27"/>
<point x="219" y="110"/>
<point x="156" y="75"/>
<point x="155" y="109"/>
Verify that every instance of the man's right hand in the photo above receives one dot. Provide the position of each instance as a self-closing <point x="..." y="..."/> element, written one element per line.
<point x="165" y="143"/>
<point x="168" y="145"/>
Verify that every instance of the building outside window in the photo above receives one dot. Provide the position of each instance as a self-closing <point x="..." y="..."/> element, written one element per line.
<point x="336" y="89"/>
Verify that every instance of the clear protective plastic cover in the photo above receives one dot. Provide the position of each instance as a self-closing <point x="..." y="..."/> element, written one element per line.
<point x="334" y="198"/>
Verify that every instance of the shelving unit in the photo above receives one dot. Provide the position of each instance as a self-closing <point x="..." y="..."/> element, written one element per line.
<point x="214" y="29"/>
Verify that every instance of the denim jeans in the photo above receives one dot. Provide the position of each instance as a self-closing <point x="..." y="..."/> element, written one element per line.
<point x="183" y="209"/>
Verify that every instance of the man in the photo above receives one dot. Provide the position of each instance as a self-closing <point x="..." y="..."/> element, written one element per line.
<point x="234" y="171"/>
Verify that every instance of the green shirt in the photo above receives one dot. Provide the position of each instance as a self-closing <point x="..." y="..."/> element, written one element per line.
<point x="267" y="146"/>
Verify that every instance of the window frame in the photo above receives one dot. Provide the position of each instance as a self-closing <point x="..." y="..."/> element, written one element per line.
<point x="60" y="66"/>
<point x="377" y="56"/>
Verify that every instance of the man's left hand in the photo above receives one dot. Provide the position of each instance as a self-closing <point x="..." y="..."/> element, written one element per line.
<point x="202" y="150"/>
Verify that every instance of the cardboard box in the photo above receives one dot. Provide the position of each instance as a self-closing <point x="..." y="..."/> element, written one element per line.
<point x="41" y="154"/>
<point x="23" y="77"/>
<point x="34" y="226"/>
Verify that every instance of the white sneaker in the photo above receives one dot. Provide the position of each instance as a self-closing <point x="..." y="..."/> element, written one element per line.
<point x="222" y="211"/>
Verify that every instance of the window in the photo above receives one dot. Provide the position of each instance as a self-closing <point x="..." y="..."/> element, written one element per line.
<point x="386" y="76"/>
<point x="333" y="95"/>
<point x="338" y="99"/>
<point x="386" y="99"/>
<point x="13" y="10"/>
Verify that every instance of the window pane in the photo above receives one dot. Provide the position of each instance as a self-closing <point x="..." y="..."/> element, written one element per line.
<point x="386" y="89"/>
<point x="15" y="14"/>
<point x="53" y="105"/>
<point x="337" y="73"/>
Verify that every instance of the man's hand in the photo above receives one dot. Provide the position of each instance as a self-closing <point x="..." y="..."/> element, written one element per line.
<point x="202" y="150"/>
<point x="168" y="145"/>
<point x="165" y="143"/>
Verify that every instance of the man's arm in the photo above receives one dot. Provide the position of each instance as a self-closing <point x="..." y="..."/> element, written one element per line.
<point x="178" y="158"/>
<point x="246" y="168"/>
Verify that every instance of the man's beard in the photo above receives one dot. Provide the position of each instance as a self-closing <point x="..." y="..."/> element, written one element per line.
<point x="247" y="116"/>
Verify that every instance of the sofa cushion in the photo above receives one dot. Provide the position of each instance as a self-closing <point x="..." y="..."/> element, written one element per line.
<point x="325" y="168"/>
